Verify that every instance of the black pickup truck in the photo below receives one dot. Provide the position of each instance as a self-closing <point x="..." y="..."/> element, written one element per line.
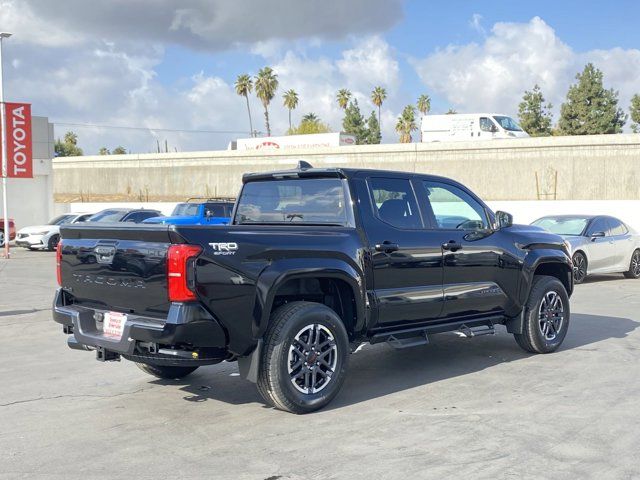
<point x="315" y="262"/>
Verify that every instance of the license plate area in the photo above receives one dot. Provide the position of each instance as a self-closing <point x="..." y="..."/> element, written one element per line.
<point x="113" y="324"/>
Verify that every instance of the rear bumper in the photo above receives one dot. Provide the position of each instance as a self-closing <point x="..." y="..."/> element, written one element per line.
<point x="188" y="329"/>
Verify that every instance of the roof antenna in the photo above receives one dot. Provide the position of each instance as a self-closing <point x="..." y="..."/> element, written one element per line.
<point x="302" y="165"/>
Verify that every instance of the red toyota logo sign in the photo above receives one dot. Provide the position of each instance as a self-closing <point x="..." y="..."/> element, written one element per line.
<point x="19" y="148"/>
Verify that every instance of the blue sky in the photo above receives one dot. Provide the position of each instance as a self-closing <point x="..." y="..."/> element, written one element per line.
<point x="158" y="63"/>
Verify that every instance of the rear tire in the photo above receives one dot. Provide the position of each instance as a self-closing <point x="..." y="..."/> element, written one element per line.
<point x="304" y="357"/>
<point x="579" y="261"/>
<point x="166" y="372"/>
<point x="547" y="314"/>
<point x="634" y="266"/>
<point x="1" y="238"/>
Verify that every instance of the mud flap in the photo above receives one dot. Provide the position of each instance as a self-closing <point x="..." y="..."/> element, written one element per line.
<point x="516" y="324"/>
<point x="249" y="365"/>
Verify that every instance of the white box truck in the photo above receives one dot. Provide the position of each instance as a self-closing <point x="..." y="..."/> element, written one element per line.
<point x="291" y="142"/>
<point x="466" y="127"/>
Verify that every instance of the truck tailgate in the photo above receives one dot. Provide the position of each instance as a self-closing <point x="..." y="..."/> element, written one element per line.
<point x="117" y="267"/>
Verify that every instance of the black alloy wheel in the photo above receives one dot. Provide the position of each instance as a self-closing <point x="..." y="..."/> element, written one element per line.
<point x="579" y="267"/>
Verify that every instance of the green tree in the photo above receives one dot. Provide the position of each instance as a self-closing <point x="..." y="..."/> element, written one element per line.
<point x="342" y="97"/>
<point x="266" y="85"/>
<point x="452" y="111"/>
<point x="373" y="130"/>
<point x="104" y="151"/>
<point x="290" y="99"/>
<point x="244" y="85"/>
<point x="68" y="147"/>
<point x="635" y="113"/>
<point x="424" y="106"/>
<point x="590" y="109"/>
<point x="353" y="122"/>
<point x="378" y="96"/>
<point x="406" y="124"/>
<point x="119" y="150"/>
<point x="534" y="114"/>
<point x="310" y="123"/>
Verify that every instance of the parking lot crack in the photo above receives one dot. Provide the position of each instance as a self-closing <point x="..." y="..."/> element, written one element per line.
<point x="56" y="397"/>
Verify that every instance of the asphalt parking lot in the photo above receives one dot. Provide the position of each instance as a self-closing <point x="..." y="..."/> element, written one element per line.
<point x="458" y="408"/>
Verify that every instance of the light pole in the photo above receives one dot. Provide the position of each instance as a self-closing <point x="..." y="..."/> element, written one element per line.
<point x="3" y="152"/>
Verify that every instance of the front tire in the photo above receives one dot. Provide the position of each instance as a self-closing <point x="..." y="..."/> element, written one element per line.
<point x="304" y="358"/>
<point x="547" y="315"/>
<point x="165" y="371"/>
<point x="579" y="261"/>
<point x="53" y="242"/>
<point x="634" y="266"/>
<point x="1" y="238"/>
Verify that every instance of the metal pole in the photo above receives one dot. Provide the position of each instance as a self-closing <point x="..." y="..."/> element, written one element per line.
<point x="7" y="232"/>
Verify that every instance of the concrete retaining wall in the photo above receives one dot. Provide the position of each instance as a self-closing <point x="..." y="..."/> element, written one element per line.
<point x="601" y="167"/>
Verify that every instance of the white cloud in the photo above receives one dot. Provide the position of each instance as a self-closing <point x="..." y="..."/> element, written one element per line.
<point x="371" y="63"/>
<point x="476" y="24"/>
<point x="493" y="76"/>
<point x="199" y="24"/>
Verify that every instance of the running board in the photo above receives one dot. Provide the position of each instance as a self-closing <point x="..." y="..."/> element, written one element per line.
<point x="406" y="342"/>
<point x="478" y="331"/>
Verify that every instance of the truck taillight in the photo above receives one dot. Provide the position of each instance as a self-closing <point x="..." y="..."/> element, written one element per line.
<point x="179" y="266"/>
<point x="59" y="262"/>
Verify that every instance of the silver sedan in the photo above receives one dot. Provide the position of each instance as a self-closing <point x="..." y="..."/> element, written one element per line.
<point x="599" y="244"/>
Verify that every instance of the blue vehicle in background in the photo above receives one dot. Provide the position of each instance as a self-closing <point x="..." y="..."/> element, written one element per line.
<point x="199" y="211"/>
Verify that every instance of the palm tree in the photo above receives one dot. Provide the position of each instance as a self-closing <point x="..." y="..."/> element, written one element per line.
<point x="266" y="83"/>
<point x="290" y="98"/>
<point x="310" y="117"/>
<point x="343" y="98"/>
<point x="452" y="111"/>
<point x="378" y="96"/>
<point x="406" y="124"/>
<point x="244" y="85"/>
<point x="424" y="105"/>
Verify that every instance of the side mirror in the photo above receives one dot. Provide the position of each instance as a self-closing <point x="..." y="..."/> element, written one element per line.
<point x="595" y="235"/>
<point x="494" y="129"/>
<point x="503" y="219"/>
<point x="208" y="214"/>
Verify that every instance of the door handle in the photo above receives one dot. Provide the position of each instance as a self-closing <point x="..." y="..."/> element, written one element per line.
<point x="387" y="247"/>
<point x="452" y="246"/>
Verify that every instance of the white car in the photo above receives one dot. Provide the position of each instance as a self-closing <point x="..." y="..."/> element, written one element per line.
<point x="47" y="236"/>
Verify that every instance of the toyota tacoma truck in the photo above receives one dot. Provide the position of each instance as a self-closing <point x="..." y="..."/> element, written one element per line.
<point x="315" y="262"/>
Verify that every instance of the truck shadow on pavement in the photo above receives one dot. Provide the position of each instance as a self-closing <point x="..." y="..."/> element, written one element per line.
<point x="379" y="370"/>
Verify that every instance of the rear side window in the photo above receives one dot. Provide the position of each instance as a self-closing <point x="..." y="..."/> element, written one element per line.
<point x="617" y="227"/>
<point x="395" y="202"/>
<point x="137" y="217"/>
<point x="305" y="200"/>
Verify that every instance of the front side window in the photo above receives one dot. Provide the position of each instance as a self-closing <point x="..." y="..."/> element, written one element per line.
<point x="453" y="208"/>
<point x="486" y="125"/>
<point x="215" y="210"/>
<point x="395" y="202"/>
<point x="597" y="226"/>
<point x="508" y="123"/>
<point x="300" y="201"/>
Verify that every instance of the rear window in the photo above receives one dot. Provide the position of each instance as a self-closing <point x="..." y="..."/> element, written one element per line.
<point x="311" y="200"/>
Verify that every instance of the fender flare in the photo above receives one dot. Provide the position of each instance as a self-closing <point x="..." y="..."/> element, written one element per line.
<point x="279" y="272"/>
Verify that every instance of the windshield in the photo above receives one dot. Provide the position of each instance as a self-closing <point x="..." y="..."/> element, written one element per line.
<point x="186" y="210"/>
<point x="563" y="225"/>
<point x="507" y="123"/>
<point x="106" y="216"/>
<point x="61" y="219"/>
<point x="313" y="201"/>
